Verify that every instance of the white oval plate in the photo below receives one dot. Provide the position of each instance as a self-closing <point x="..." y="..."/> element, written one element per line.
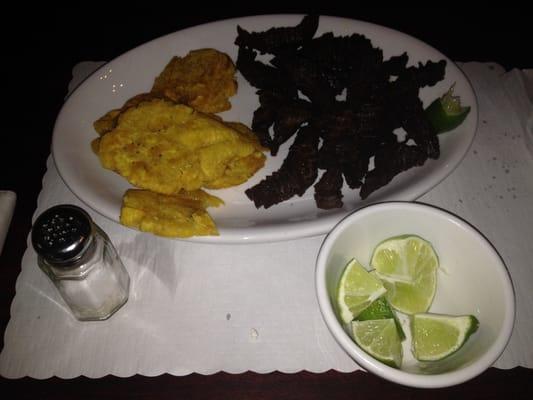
<point x="239" y="221"/>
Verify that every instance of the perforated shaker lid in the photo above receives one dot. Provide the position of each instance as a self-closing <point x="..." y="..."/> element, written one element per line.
<point x="62" y="233"/>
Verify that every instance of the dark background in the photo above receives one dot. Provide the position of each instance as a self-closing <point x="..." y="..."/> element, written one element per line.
<point x="41" y="47"/>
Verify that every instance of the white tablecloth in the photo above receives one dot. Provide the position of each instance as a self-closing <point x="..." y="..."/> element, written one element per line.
<point x="208" y="308"/>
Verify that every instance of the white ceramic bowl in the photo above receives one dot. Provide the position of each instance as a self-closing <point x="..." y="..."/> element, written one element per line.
<point x="472" y="279"/>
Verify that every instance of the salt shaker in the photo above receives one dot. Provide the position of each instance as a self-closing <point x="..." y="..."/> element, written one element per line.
<point x="81" y="261"/>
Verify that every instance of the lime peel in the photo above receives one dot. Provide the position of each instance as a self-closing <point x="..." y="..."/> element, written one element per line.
<point x="356" y="291"/>
<point x="380" y="339"/>
<point x="380" y="309"/>
<point x="437" y="336"/>
<point x="446" y="113"/>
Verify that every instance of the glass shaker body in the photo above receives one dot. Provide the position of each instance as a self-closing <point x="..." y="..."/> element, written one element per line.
<point x="81" y="261"/>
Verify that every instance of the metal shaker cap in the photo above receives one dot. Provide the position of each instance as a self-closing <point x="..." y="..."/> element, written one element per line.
<point x="62" y="233"/>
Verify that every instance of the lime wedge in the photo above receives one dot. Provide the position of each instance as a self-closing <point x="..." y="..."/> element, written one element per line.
<point x="407" y="266"/>
<point x="380" y="339"/>
<point x="357" y="290"/>
<point x="446" y="112"/>
<point x="404" y="258"/>
<point x="411" y="297"/>
<point x="380" y="309"/>
<point x="436" y="336"/>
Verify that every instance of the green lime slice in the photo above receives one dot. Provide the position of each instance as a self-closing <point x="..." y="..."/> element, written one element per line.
<point x="356" y="291"/>
<point x="446" y="112"/>
<point x="411" y="297"/>
<point x="380" y="309"/>
<point x="407" y="266"/>
<point x="436" y="336"/>
<point x="380" y="339"/>
<point x="404" y="258"/>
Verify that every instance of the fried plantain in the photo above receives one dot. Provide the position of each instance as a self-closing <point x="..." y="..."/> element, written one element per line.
<point x="167" y="147"/>
<point x="204" y="79"/>
<point x="181" y="215"/>
<point x="108" y="121"/>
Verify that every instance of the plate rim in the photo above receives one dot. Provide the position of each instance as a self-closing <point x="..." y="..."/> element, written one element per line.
<point x="291" y="229"/>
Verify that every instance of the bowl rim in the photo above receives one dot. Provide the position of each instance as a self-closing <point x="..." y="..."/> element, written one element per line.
<point x="392" y="374"/>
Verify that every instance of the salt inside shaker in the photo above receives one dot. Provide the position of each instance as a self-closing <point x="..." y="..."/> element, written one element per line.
<point x="81" y="261"/>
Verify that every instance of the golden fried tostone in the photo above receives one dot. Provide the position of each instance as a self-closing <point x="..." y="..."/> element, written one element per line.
<point x="166" y="147"/>
<point x="181" y="215"/>
<point x="203" y="79"/>
<point x="109" y="120"/>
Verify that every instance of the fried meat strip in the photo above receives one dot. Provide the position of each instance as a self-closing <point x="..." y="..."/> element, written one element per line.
<point x="297" y="173"/>
<point x="390" y="160"/>
<point x="263" y="76"/>
<point x="342" y="89"/>
<point x="308" y="77"/>
<point x="328" y="190"/>
<point x="281" y="114"/>
<point x="276" y="40"/>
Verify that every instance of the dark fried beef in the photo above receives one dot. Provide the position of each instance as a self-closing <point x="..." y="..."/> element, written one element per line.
<point x="427" y="74"/>
<point x="299" y="96"/>
<point x="308" y="77"/>
<point x="261" y="123"/>
<point x="338" y="132"/>
<point x="355" y="168"/>
<point x="422" y="132"/>
<point x="297" y="173"/>
<point x="262" y="76"/>
<point x="395" y="65"/>
<point x="294" y="114"/>
<point x="277" y="40"/>
<point x="339" y="52"/>
<point x="328" y="190"/>
<point x="279" y="115"/>
<point x="389" y="161"/>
